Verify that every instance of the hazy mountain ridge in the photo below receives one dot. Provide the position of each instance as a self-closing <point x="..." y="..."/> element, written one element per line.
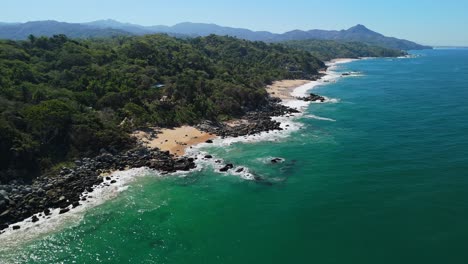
<point x="19" y="31"/>
<point x="105" y="28"/>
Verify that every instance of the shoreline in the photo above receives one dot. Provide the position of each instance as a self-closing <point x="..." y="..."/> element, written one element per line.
<point x="274" y="125"/>
<point x="175" y="140"/>
<point x="301" y="90"/>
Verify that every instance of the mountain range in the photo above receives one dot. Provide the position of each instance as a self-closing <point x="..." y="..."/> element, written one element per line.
<point x="106" y="28"/>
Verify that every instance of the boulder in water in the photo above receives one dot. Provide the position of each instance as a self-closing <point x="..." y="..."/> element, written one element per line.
<point x="276" y="160"/>
<point x="227" y="167"/>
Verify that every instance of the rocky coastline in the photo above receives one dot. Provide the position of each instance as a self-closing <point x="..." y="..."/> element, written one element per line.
<point x="254" y="122"/>
<point x="18" y="202"/>
<point x="64" y="190"/>
<point x="313" y="98"/>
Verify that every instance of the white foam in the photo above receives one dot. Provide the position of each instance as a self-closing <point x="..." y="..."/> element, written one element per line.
<point x="302" y="90"/>
<point x="267" y="160"/>
<point x="330" y="100"/>
<point x="55" y="221"/>
<point x="355" y="74"/>
<point x="215" y="164"/>
<point x="320" y="118"/>
<point x="296" y="104"/>
<point x="342" y="61"/>
<point x="409" y="56"/>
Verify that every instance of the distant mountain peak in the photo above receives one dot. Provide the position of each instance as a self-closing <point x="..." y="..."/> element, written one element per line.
<point x="110" y="20"/>
<point x="360" y="29"/>
<point x="359" y="26"/>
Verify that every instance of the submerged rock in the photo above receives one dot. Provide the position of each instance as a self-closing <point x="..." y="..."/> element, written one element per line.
<point x="276" y="160"/>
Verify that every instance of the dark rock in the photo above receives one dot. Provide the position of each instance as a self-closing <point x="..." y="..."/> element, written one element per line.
<point x="227" y="167"/>
<point x="256" y="121"/>
<point x="277" y="160"/>
<point x="40" y="192"/>
<point x="240" y="170"/>
<point x="34" y="219"/>
<point x="64" y="210"/>
<point x="313" y="98"/>
<point x="208" y="156"/>
<point x="209" y="141"/>
<point x="16" y="227"/>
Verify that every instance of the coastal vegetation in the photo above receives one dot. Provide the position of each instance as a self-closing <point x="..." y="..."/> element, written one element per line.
<point x="330" y="49"/>
<point x="62" y="99"/>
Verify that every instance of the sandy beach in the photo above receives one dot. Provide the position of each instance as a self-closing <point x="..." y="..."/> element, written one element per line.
<point x="291" y="89"/>
<point x="174" y="140"/>
<point x="341" y="60"/>
<point x="177" y="140"/>
<point x="282" y="89"/>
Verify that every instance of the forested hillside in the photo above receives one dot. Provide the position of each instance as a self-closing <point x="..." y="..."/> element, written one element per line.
<point x="62" y="99"/>
<point x="329" y="49"/>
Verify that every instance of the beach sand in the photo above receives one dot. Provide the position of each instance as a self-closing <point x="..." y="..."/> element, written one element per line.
<point x="340" y="61"/>
<point x="291" y="89"/>
<point x="174" y="140"/>
<point x="282" y="89"/>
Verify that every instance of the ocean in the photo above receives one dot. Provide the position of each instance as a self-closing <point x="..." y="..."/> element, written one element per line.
<point x="378" y="174"/>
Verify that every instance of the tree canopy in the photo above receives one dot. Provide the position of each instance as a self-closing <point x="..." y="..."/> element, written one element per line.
<point x="62" y="98"/>
<point x="330" y="49"/>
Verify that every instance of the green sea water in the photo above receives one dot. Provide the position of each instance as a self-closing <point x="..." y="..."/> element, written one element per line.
<point x="380" y="176"/>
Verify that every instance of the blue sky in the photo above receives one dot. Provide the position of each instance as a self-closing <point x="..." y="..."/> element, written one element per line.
<point x="425" y="21"/>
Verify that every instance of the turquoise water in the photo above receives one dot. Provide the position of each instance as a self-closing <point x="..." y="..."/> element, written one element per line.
<point x="385" y="182"/>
